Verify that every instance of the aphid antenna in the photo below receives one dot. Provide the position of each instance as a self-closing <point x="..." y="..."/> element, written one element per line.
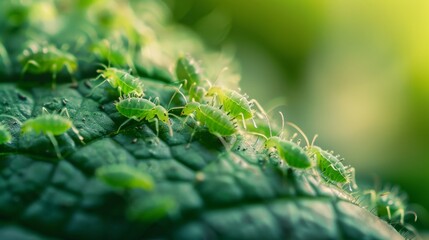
<point x="283" y="124"/>
<point x="314" y="140"/>
<point x="11" y="117"/>
<point x="174" y="94"/>
<point x="218" y="76"/>
<point x="258" y="134"/>
<point x="300" y="131"/>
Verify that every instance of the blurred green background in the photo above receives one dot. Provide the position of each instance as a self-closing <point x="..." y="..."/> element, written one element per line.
<point x="355" y="72"/>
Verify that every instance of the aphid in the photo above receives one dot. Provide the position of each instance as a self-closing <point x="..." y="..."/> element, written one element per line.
<point x="330" y="167"/>
<point x="51" y="125"/>
<point x="122" y="80"/>
<point x="294" y="155"/>
<point x="213" y="118"/>
<point x="42" y="59"/>
<point x="124" y="176"/>
<point x="389" y="205"/>
<point x="189" y="73"/>
<point x="136" y="108"/>
<point x="5" y="136"/>
<point x="217" y="122"/>
<point x="235" y="104"/>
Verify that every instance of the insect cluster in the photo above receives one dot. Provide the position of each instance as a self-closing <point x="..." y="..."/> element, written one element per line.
<point x="222" y="111"/>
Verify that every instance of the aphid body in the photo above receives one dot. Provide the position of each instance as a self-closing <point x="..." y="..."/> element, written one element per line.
<point x="189" y="73"/>
<point x="214" y="119"/>
<point x="42" y="59"/>
<point x="292" y="153"/>
<point x="124" y="176"/>
<point x="122" y="80"/>
<point x="5" y="136"/>
<point x="389" y="205"/>
<point x="332" y="168"/>
<point x="142" y="109"/>
<point x="50" y="125"/>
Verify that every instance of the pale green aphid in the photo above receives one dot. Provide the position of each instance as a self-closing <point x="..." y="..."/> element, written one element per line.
<point x="189" y="73"/>
<point x="47" y="58"/>
<point x="235" y="104"/>
<point x="124" y="176"/>
<point x="121" y="80"/>
<point x="330" y="167"/>
<point x="152" y="208"/>
<point x="389" y="205"/>
<point x="5" y="135"/>
<point x="294" y="155"/>
<point x="137" y="108"/>
<point x="50" y="125"/>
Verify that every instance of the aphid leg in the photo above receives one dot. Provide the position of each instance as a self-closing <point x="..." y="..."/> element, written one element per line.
<point x="174" y="94"/>
<point x="244" y="122"/>
<point x="24" y="69"/>
<point x="401" y="216"/>
<point x="74" y="129"/>
<point x="11" y="117"/>
<point x="389" y="215"/>
<point x="70" y="71"/>
<point x="64" y="112"/>
<point x="352" y="179"/>
<point x="157" y="125"/>
<point x="372" y="195"/>
<point x="261" y="109"/>
<point x="413" y="213"/>
<point x="224" y="143"/>
<point x="123" y="125"/>
<point x="54" y="76"/>
<point x="192" y="134"/>
<point x="98" y="85"/>
<point x="45" y="111"/>
<point x="54" y="143"/>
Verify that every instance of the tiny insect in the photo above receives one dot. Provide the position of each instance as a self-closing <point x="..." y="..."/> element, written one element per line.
<point x="189" y="73"/>
<point x="137" y="108"/>
<point x="389" y="205"/>
<point x="330" y="167"/>
<point x="124" y="176"/>
<point x="294" y="155"/>
<point x="121" y="80"/>
<point x="217" y="122"/>
<point x="47" y="58"/>
<point x="51" y="125"/>
<point x="5" y="135"/>
<point x="235" y="104"/>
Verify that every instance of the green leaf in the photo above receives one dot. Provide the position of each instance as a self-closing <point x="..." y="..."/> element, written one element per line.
<point x="198" y="189"/>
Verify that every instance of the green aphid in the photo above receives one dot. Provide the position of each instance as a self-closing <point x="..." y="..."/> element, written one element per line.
<point x="122" y="80"/>
<point x="152" y="208"/>
<point x="332" y="169"/>
<point x="5" y="135"/>
<point x="124" y="176"/>
<point x="294" y="155"/>
<point x="189" y="73"/>
<point x="389" y="205"/>
<point x="51" y="125"/>
<point x="39" y="59"/>
<point x="138" y="109"/>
